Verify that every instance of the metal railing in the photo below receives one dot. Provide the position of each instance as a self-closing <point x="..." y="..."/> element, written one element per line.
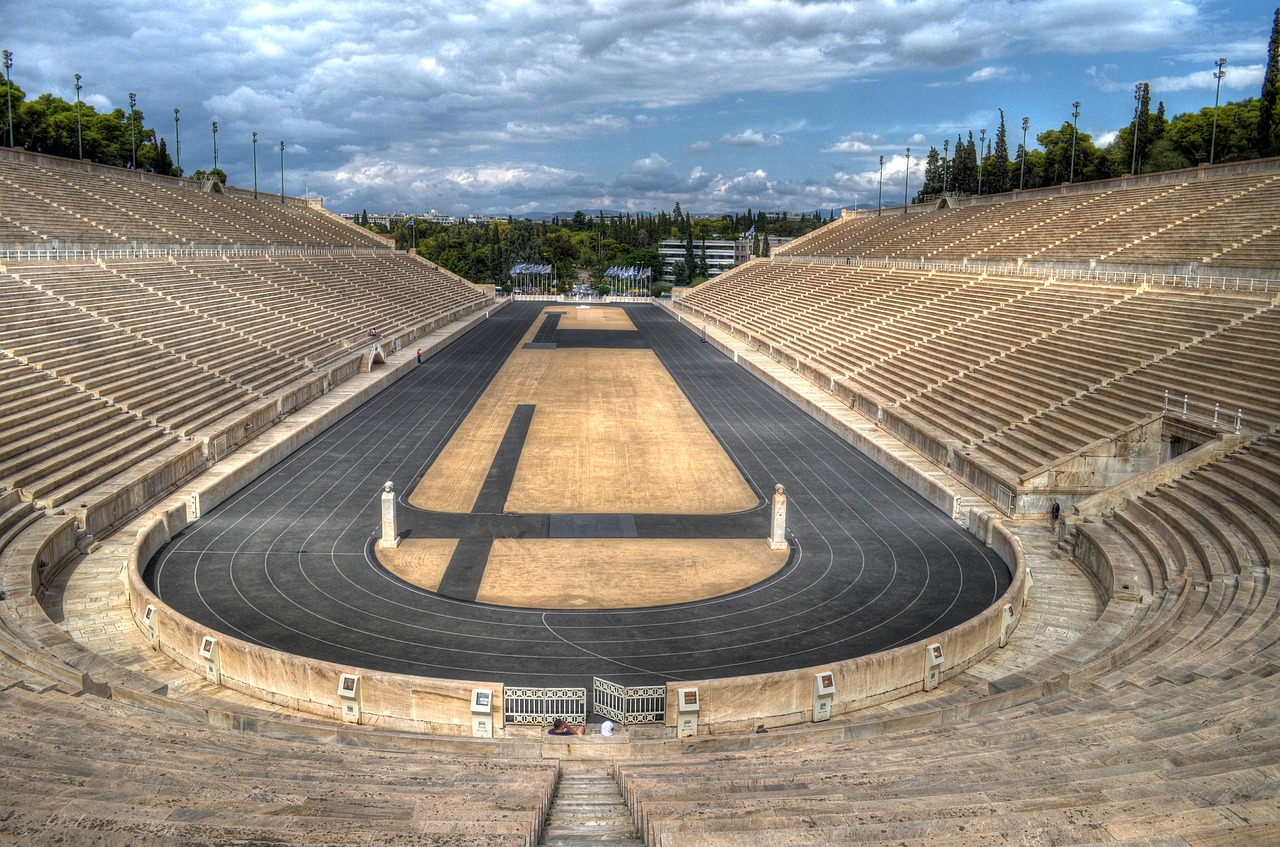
<point x="642" y="704"/>
<point x="1184" y="407"/>
<point x="1140" y="278"/>
<point x="94" y="254"/>
<point x="541" y="706"/>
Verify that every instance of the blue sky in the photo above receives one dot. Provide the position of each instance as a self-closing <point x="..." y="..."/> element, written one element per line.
<point x="526" y="107"/>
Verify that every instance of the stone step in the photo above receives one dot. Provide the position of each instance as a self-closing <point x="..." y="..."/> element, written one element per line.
<point x="588" y="809"/>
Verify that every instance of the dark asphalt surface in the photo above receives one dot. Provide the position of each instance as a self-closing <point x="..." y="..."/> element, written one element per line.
<point x="287" y="562"/>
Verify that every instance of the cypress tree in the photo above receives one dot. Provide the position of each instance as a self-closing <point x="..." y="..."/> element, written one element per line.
<point x="1268" y="126"/>
<point x="996" y="180"/>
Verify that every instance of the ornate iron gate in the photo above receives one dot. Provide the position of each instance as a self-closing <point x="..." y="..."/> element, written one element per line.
<point x="643" y="704"/>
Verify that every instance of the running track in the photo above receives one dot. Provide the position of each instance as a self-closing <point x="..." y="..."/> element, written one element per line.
<point x="287" y="562"/>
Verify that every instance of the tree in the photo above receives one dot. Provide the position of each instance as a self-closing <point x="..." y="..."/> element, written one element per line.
<point x="964" y="167"/>
<point x="1268" y="131"/>
<point x="680" y="273"/>
<point x="1236" y="138"/>
<point x="932" y="176"/>
<point x="1053" y="166"/>
<point x="996" y="173"/>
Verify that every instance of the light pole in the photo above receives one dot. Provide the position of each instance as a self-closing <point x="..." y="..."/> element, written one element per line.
<point x="1022" y="178"/>
<point x="215" y="145"/>
<point x="906" y="180"/>
<point x="1218" y="75"/>
<point x="8" y="94"/>
<point x="1075" y="123"/>
<point x="1137" y="95"/>
<point x="255" y="166"/>
<point x="946" y="144"/>
<point x="133" y="134"/>
<point x="982" y="156"/>
<point x="880" y="201"/>
<point x="79" y="136"/>
<point x="282" y="170"/>
<point x="177" y="140"/>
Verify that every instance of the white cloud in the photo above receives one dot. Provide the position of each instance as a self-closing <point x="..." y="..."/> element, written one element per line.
<point x="990" y="73"/>
<point x="1248" y="78"/>
<point x="509" y="104"/>
<point x="751" y="138"/>
<point x="855" y="143"/>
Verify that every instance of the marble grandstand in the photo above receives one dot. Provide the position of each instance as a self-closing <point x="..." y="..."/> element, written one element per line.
<point x="1019" y="347"/>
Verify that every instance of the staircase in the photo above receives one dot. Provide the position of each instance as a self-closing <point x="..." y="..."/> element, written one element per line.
<point x="587" y="809"/>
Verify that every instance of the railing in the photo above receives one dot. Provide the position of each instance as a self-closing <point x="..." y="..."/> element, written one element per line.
<point x="643" y="704"/>
<point x="1140" y="278"/>
<point x="541" y="706"/>
<point x="1187" y="409"/>
<point x="93" y="254"/>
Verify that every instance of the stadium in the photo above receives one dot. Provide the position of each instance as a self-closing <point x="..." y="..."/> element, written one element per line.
<point x="1042" y="421"/>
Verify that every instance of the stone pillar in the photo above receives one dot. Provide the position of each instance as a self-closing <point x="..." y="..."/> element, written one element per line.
<point x="390" y="532"/>
<point x="778" y="531"/>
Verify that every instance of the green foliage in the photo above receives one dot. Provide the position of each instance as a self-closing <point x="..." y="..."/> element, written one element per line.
<point x="1192" y="133"/>
<point x="49" y="124"/>
<point x="1267" y="128"/>
<point x="213" y="173"/>
<point x="995" y="173"/>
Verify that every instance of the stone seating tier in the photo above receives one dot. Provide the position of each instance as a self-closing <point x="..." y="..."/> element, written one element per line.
<point x="46" y="200"/>
<point x="1210" y="221"/>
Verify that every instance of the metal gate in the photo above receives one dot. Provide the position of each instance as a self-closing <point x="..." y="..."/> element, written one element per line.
<point x="643" y="704"/>
<point x="541" y="706"/>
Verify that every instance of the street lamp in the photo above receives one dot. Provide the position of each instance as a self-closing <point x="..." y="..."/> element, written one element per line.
<point x="1218" y="75"/>
<point x="1022" y="178"/>
<point x="982" y="156"/>
<point x="946" y="144"/>
<point x="79" y="136"/>
<point x="1075" y="123"/>
<point x="8" y="94"/>
<point x="255" y="166"/>
<point x="1137" y="95"/>
<point x="906" y="180"/>
<point x="133" y="134"/>
<point x="177" y="140"/>
<point x="215" y="145"/>
<point x="282" y="170"/>
<point x="880" y="201"/>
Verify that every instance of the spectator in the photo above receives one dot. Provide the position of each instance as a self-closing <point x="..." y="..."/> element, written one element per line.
<point x="559" y="727"/>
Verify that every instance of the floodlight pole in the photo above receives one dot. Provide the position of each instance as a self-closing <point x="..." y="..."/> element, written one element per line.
<point x="946" y="145"/>
<point x="282" y="170"/>
<point x="133" y="129"/>
<point x="177" y="140"/>
<point x="982" y="156"/>
<point x="255" y="166"/>
<point x="215" y="145"/>
<point x="906" y="180"/>
<point x="8" y="89"/>
<point x="1075" y="122"/>
<point x="1218" y="75"/>
<point x="79" y="135"/>
<point x="1022" y="178"/>
<point x="880" y="201"/>
<point x="1137" y="109"/>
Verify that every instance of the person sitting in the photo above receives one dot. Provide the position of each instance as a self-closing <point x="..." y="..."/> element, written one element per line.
<point x="559" y="727"/>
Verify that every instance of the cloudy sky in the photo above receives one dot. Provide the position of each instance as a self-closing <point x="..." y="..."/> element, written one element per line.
<point x="532" y="106"/>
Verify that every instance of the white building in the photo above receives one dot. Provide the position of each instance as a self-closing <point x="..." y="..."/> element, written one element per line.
<point x="722" y="254"/>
